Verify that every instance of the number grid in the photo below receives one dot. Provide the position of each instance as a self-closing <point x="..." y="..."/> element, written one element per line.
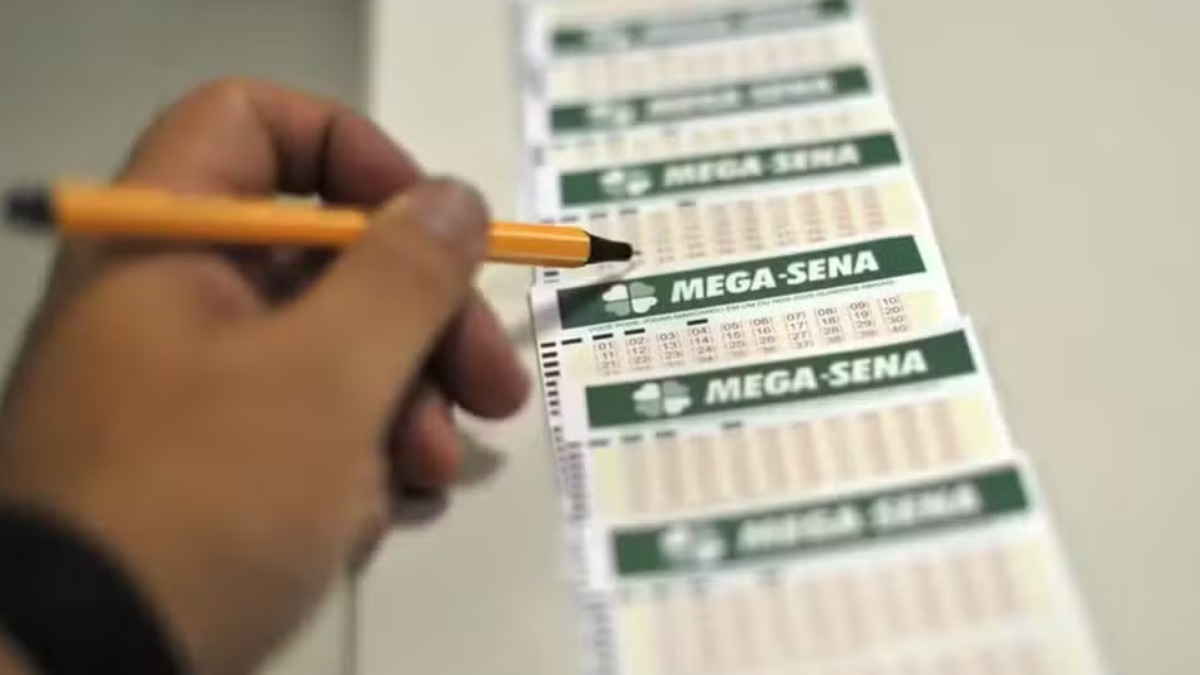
<point x="648" y="477"/>
<point x="693" y="231"/>
<point x="977" y="609"/>
<point x="768" y="129"/>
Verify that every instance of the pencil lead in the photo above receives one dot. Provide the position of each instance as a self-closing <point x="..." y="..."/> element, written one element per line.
<point x="607" y="250"/>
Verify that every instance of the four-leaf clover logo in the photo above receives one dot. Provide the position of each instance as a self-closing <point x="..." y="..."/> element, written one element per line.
<point x="612" y="114"/>
<point x="625" y="183"/>
<point x="655" y="399"/>
<point x="623" y="300"/>
<point x="692" y="545"/>
<point x="610" y="39"/>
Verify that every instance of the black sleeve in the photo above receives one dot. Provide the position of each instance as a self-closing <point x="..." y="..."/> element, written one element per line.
<point x="70" y="608"/>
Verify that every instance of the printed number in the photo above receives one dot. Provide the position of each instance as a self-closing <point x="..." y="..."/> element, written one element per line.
<point x="670" y="348"/>
<point x="702" y="343"/>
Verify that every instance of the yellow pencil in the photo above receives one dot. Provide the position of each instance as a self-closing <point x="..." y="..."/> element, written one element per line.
<point x="133" y="212"/>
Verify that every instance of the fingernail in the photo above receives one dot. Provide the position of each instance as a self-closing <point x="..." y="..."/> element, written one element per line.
<point x="452" y="212"/>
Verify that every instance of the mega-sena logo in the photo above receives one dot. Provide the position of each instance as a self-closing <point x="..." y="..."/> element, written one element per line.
<point x="634" y="298"/>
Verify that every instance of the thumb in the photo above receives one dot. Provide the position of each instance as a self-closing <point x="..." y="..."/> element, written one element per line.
<point x="376" y="315"/>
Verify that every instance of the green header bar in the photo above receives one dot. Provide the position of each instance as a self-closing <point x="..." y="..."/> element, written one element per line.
<point x="694" y="104"/>
<point x="742" y="168"/>
<point x="710" y="545"/>
<point x="778" y="382"/>
<point x="791" y="275"/>
<point x="698" y="27"/>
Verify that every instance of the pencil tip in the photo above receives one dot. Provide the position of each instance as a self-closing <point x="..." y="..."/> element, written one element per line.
<point x="606" y="250"/>
<point x="31" y="207"/>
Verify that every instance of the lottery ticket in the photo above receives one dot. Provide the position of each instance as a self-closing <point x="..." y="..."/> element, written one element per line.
<point x="722" y="135"/>
<point x="948" y="576"/>
<point x="669" y="470"/>
<point x="744" y="152"/>
<point x="590" y="27"/>
<point x="861" y="291"/>
<point x="705" y="228"/>
<point x="741" y="389"/>
<point x="724" y="521"/>
<point x="744" y="539"/>
<point x="615" y="93"/>
<point x="778" y="447"/>
<point x="700" y="103"/>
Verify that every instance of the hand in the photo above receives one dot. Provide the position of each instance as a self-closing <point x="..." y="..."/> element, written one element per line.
<point x="232" y="427"/>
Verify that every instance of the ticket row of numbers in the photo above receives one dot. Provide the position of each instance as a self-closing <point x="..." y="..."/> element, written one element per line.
<point x="691" y="231"/>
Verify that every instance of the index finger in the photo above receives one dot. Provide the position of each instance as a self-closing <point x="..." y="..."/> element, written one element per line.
<point x="245" y="137"/>
<point x="250" y="138"/>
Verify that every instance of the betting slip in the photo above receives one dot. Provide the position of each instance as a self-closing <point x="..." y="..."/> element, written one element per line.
<point x="778" y="445"/>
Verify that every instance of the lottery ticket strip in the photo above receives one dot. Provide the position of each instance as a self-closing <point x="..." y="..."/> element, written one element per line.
<point x="778" y="446"/>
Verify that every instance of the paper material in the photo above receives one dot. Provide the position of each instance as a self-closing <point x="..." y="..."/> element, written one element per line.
<point x="778" y="446"/>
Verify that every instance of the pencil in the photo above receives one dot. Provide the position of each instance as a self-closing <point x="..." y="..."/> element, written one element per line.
<point x="147" y="214"/>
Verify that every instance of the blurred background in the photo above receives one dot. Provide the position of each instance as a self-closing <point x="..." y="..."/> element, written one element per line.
<point x="1055" y="139"/>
